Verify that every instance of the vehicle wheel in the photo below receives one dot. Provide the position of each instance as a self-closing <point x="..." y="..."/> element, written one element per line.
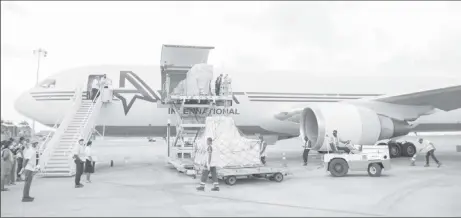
<point x="394" y="150"/>
<point x="374" y="170"/>
<point x="278" y="177"/>
<point x="338" y="167"/>
<point x="231" y="180"/>
<point x="408" y="149"/>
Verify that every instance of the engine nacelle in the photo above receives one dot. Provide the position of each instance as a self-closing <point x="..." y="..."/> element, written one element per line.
<point x="360" y="125"/>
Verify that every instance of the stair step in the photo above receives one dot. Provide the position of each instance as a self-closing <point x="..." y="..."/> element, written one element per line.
<point x="63" y="155"/>
<point x="53" y="174"/>
<point x="58" y="161"/>
<point x="57" y="166"/>
<point x="57" y="170"/>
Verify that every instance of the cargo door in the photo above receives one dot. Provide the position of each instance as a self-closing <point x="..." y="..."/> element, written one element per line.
<point x="176" y="61"/>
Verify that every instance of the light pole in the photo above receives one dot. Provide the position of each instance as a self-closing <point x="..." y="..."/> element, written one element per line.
<point x="39" y="52"/>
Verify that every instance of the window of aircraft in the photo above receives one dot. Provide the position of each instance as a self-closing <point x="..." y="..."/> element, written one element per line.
<point x="49" y="83"/>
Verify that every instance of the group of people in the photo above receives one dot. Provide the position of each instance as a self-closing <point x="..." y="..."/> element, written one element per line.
<point x="223" y="85"/>
<point x="97" y="86"/>
<point x="84" y="162"/>
<point x="19" y="159"/>
<point x="334" y="142"/>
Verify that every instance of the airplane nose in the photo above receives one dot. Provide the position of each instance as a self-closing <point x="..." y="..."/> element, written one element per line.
<point x="23" y="104"/>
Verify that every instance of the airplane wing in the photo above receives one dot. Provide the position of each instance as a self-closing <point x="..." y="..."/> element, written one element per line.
<point x="407" y="106"/>
<point x="446" y="99"/>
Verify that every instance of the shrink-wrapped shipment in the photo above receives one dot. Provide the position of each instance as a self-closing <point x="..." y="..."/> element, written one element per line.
<point x="230" y="148"/>
<point x="197" y="81"/>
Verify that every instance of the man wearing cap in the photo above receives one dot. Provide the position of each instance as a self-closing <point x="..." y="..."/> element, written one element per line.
<point x="429" y="148"/>
<point x="28" y="169"/>
<point x="79" y="156"/>
<point x="335" y="140"/>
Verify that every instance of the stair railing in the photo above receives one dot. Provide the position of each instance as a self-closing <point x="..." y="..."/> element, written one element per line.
<point x="86" y="129"/>
<point x="55" y="139"/>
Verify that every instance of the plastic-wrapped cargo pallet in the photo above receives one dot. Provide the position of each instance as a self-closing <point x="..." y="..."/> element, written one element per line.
<point x="230" y="148"/>
<point x="197" y="81"/>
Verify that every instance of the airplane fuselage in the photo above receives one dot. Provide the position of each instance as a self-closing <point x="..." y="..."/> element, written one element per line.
<point x="252" y="109"/>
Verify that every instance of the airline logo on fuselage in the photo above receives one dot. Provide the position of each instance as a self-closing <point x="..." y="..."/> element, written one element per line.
<point x="144" y="92"/>
<point x="206" y="110"/>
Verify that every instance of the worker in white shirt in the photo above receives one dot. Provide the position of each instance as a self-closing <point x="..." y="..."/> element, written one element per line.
<point x="95" y="87"/>
<point x="209" y="168"/>
<point x="79" y="158"/>
<point x="263" y="146"/>
<point x="30" y="165"/>
<point x="335" y="140"/>
<point x="429" y="148"/>
<point x="307" y="147"/>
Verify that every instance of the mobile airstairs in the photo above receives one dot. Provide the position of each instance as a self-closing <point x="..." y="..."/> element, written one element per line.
<point x="190" y="112"/>
<point x="55" y="157"/>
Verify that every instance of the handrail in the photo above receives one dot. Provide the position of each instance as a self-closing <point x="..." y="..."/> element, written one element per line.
<point x="42" y="147"/>
<point x="88" y="126"/>
<point x="67" y="118"/>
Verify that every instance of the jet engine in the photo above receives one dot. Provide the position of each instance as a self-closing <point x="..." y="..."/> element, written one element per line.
<point x="360" y="125"/>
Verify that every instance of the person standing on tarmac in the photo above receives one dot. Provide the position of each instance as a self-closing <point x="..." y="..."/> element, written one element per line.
<point x="20" y="156"/>
<point x="79" y="157"/>
<point x="209" y="168"/>
<point x="429" y="148"/>
<point x="307" y="147"/>
<point x="30" y="164"/>
<point x="263" y="146"/>
<point x="7" y="164"/>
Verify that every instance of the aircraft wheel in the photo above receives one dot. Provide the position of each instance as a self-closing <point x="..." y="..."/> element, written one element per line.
<point x="338" y="167"/>
<point x="408" y="149"/>
<point x="394" y="150"/>
<point x="374" y="170"/>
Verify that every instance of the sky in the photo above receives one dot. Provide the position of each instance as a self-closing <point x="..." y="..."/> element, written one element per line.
<point x="330" y="38"/>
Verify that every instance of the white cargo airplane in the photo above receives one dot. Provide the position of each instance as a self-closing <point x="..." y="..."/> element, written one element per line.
<point x="320" y="105"/>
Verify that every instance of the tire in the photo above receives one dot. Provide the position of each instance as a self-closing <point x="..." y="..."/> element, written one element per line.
<point x="374" y="170"/>
<point x="408" y="149"/>
<point x="338" y="167"/>
<point x="394" y="150"/>
<point x="231" y="180"/>
<point x="278" y="177"/>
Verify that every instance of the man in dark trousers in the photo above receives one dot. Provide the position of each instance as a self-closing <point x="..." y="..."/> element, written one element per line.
<point x="209" y="168"/>
<point x="20" y="156"/>
<point x="218" y="85"/>
<point x="79" y="156"/>
<point x="307" y="147"/>
<point x="30" y="164"/>
<point x="263" y="146"/>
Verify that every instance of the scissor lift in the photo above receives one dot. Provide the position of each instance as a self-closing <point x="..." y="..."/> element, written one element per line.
<point x="190" y="111"/>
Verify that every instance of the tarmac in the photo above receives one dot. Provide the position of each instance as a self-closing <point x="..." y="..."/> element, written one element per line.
<point x="141" y="184"/>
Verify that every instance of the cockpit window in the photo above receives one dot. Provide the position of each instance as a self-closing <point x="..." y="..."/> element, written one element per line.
<point x="49" y="83"/>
